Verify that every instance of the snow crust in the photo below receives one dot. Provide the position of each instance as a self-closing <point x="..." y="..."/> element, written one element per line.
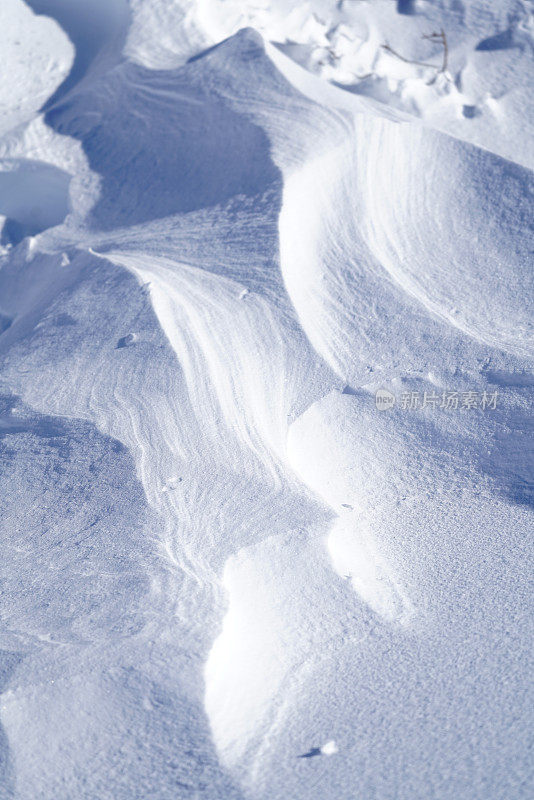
<point x="226" y="571"/>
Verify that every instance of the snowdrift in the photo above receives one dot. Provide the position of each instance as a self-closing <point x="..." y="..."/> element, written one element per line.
<point x="227" y="573"/>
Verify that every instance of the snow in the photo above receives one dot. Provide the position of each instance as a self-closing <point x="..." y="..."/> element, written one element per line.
<point x="39" y="56"/>
<point x="226" y="572"/>
<point x="478" y="90"/>
<point x="329" y="748"/>
<point x="33" y="197"/>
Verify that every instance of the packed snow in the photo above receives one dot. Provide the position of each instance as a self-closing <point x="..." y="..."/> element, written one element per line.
<point x="266" y="389"/>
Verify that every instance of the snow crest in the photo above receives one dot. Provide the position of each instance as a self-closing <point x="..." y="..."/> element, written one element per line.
<point x="228" y="571"/>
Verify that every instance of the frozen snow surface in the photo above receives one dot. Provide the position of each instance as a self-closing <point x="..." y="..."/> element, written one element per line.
<point x="266" y="388"/>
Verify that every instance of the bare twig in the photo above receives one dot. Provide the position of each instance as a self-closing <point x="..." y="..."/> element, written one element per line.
<point x="406" y="60"/>
<point x="440" y="37"/>
<point x="433" y="37"/>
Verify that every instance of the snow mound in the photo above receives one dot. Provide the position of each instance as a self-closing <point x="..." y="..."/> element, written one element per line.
<point x="38" y="56"/>
<point x="224" y="558"/>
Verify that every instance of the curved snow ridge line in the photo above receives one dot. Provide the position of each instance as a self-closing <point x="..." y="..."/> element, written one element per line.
<point x="141" y="405"/>
<point x="353" y="314"/>
<point x="317" y="51"/>
<point x="284" y="617"/>
<point x="158" y="426"/>
<point x="228" y="495"/>
<point x="305" y="196"/>
<point x="330" y="95"/>
<point x="402" y="203"/>
<point x="148" y="424"/>
<point x="233" y="353"/>
<point x="322" y="450"/>
<point x="438" y="217"/>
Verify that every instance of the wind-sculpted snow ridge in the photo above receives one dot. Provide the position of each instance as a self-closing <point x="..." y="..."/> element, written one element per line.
<point x="463" y="67"/>
<point x="228" y="573"/>
<point x="388" y="201"/>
